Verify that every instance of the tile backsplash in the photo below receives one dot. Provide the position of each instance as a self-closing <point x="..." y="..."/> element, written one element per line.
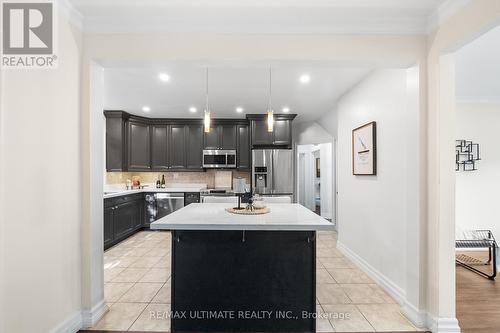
<point x="204" y="177"/>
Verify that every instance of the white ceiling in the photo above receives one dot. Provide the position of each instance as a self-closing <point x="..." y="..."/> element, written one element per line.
<point x="231" y="86"/>
<point x="478" y="69"/>
<point x="265" y="16"/>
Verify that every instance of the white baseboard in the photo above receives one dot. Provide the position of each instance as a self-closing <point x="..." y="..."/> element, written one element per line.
<point x="417" y="317"/>
<point x="443" y="325"/>
<point x="92" y="316"/>
<point x="72" y="324"/>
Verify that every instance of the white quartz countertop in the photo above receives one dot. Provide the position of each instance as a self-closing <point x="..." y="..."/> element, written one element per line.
<point x="117" y="193"/>
<point x="213" y="216"/>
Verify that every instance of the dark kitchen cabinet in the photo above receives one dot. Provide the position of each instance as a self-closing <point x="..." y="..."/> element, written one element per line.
<point x="243" y="149"/>
<point x="135" y="143"/>
<point x="194" y="147"/>
<point x="228" y="136"/>
<point x="139" y="144"/>
<point x="221" y="136"/>
<point x="108" y="226"/>
<point x="212" y="138"/>
<point x="260" y="134"/>
<point x="282" y="132"/>
<point x="280" y="137"/>
<point x="123" y="216"/>
<point x="159" y="147"/>
<point x="116" y="148"/>
<point x="177" y="147"/>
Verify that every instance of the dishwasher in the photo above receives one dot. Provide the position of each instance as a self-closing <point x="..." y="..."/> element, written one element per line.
<point x="167" y="203"/>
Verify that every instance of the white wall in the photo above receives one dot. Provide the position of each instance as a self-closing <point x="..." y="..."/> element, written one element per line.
<point x="41" y="193"/>
<point x="373" y="210"/>
<point x="477" y="195"/>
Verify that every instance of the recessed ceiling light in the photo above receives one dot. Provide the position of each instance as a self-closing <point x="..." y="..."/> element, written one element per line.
<point x="239" y="109"/>
<point x="164" y="77"/>
<point x="146" y="108"/>
<point x="286" y="109"/>
<point x="192" y="109"/>
<point x="305" y="78"/>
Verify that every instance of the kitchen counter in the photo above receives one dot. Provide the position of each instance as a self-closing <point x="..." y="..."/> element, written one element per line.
<point x="149" y="189"/>
<point x="213" y="216"/>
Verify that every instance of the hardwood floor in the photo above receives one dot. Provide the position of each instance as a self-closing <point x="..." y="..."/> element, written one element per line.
<point x="477" y="303"/>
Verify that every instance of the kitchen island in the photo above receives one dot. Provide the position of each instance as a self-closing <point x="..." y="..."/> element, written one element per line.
<point x="243" y="273"/>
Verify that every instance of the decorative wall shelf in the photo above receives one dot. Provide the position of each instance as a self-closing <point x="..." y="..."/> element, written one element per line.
<point x="466" y="155"/>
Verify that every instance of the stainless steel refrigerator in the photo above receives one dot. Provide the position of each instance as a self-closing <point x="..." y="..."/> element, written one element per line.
<point x="272" y="172"/>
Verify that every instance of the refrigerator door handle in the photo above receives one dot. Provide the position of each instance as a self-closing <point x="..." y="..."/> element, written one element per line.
<point x="272" y="172"/>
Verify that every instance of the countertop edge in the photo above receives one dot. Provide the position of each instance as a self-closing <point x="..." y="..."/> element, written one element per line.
<point x="240" y="227"/>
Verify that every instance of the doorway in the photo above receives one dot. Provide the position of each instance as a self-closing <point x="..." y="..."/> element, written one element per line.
<point x="315" y="173"/>
<point x="477" y="114"/>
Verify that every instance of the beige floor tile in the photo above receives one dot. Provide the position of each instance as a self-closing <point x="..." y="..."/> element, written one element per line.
<point x="150" y="243"/>
<point x="336" y="263"/>
<point x="137" y="252"/>
<point x="164" y="262"/>
<point x="123" y="262"/>
<point x="385" y="317"/>
<point x="164" y="294"/>
<point x="156" y="275"/>
<point x="145" y="262"/>
<point x="111" y="273"/>
<point x="154" y="318"/>
<point x="130" y="275"/>
<point x="116" y="251"/>
<point x="141" y="292"/>
<point x="366" y="294"/>
<point x="120" y="316"/>
<point x="331" y="294"/>
<point x="158" y="252"/>
<point x="322" y="276"/>
<point x="349" y="275"/>
<point x="322" y="322"/>
<point x="114" y="290"/>
<point x="328" y="253"/>
<point x="347" y="318"/>
<point x="319" y="264"/>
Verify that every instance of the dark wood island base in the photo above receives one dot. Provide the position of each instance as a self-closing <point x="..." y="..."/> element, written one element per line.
<point x="243" y="281"/>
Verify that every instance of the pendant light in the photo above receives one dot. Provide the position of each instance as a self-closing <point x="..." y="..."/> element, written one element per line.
<point x="270" y="112"/>
<point x="207" y="115"/>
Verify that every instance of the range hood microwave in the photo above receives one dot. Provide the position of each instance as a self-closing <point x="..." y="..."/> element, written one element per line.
<point x="219" y="158"/>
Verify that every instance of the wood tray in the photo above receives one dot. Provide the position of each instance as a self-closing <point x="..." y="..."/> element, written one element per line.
<point x="256" y="211"/>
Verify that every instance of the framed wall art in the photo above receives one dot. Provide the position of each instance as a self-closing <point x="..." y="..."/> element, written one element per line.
<point x="364" y="150"/>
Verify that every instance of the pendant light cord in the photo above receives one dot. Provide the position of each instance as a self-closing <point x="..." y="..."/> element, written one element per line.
<point x="206" y="91"/>
<point x="270" y="90"/>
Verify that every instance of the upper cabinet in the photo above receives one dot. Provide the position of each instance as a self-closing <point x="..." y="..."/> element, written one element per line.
<point x="116" y="148"/>
<point x="243" y="149"/>
<point x="177" y="146"/>
<point x="160" y="138"/>
<point x="221" y="136"/>
<point x="280" y="137"/>
<point x="139" y="146"/>
<point x="194" y="145"/>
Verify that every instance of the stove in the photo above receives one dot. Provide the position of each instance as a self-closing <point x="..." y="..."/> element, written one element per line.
<point x="217" y="192"/>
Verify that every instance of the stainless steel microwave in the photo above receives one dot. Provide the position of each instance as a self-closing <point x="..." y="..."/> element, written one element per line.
<point x="218" y="158"/>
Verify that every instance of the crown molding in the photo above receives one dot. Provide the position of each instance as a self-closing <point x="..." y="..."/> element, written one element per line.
<point x="446" y="10"/>
<point x="71" y="13"/>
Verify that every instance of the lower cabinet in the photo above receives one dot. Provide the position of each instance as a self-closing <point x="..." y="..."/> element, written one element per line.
<point x="108" y="227"/>
<point x="122" y="217"/>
